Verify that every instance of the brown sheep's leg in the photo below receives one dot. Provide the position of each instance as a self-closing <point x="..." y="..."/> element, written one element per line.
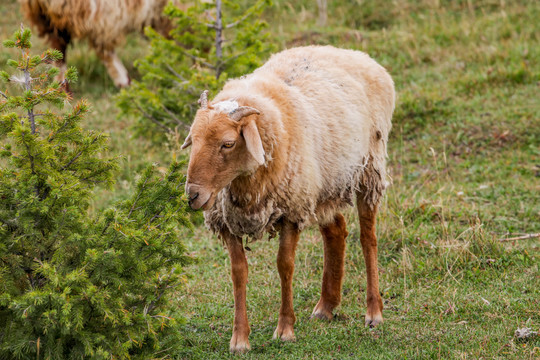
<point x="239" y="275"/>
<point x="285" y="262"/>
<point x="334" y="235"/>
<point x="368" y="239"/>
<point x="60" y="41"/>
<point x="115" y="68"/>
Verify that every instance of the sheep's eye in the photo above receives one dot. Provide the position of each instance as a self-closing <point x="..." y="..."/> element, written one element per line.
<point x="228" y="144"/>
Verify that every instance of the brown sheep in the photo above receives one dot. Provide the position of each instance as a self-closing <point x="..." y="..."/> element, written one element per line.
<point x="104" y="23"/>
<point x="291" y="145"/>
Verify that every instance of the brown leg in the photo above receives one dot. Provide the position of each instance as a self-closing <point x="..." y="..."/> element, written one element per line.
<point x="334" y="236"/>
<point x="239" y="275"/>
<point x="368" y="239"/>
<point x="285" y="261"/>
<point x="60" y="41"/>
<point x="115" y="68"/>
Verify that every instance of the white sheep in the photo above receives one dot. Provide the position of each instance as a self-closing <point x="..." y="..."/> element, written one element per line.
<point x="104" y="23"/>
<point x="291" y="145"/>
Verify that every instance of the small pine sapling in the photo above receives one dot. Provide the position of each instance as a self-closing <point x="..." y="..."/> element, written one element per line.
<point x="73" y="284"/>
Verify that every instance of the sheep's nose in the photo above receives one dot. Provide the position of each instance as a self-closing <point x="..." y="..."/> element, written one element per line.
<point x="192" y="197"/>
<point x="192" y="191"/>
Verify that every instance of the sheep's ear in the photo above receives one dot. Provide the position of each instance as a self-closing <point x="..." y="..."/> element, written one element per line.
<point x="253" y="141"/>
<point x="187" y="142"/>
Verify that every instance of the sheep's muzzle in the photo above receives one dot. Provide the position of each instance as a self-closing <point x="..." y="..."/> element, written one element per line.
<point x="199" y="197"/>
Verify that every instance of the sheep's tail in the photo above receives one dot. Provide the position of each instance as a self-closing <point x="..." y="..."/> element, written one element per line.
<point x="371" y="183"/>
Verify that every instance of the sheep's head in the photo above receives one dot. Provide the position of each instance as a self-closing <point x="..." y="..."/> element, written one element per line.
<point x="225" y="144"/>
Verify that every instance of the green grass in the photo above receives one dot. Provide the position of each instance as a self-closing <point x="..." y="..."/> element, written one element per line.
<point x="464" y="157"/>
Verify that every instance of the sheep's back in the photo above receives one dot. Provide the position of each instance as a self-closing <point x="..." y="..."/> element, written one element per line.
<point x="103" y="22"/>
<point x="344" y="103"/>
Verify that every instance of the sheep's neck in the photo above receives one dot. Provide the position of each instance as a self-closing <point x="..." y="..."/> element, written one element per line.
<point x="250" y="191"/>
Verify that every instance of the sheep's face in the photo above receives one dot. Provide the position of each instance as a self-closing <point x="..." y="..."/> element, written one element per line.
<point x="223" y="148"/>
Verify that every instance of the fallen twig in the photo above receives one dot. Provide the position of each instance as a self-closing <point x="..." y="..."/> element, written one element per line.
<point x="523" y="237"/>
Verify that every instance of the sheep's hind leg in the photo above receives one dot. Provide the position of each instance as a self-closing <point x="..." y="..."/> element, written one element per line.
<point x="285" y="262"/>
<point x="115" y="68"/>
<point x="59" y="40"/>
<point x="334" y="235"/>
<point x="367" y="216"/>
<point x="239" y="275"/>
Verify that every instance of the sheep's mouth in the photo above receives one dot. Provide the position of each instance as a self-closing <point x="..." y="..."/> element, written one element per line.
<point x="203" y="204"/>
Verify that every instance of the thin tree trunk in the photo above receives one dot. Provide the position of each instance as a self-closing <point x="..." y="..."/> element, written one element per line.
<point x="323" y="12"/>
<point x="219" y="39"/>
<point x="28" y="87"/>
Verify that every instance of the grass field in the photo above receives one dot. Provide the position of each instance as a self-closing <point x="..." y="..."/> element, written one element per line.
<point x="464" y="156"/>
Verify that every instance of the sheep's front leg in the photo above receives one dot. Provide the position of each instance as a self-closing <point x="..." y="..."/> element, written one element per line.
<point x="368" y="239"/>
<point x="115" y="68"/>
<point x="334" y="235"/>
<point x="285" y="262"/>
<point x="239" y="275"/>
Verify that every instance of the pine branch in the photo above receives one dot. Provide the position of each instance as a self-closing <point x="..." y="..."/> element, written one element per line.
<point x="4" y="95"/>
<point x="52" y="91"/>
<point x="64" y="125"/>
<point x="237" y="22"/>
<point x="160" y="294"/>
<point x="156" y="216"/>
<point x="190" y="89"/>
<point x="9" y="224"/>
<point x="11" y="154"/>
<point x="95" y="173"/>
<point x="62" y="221"/>
<point x="138" y="197"/>
<point x="208" y="15"/>
<point x="80" y="153"/>
<point x="169" y="67"/>
<point x="232" y="58"/>
<point x="152" y="118"/>
<point x="30" y="157"/>
<point x="198" y="59"/>
<point x="171" y="114"/>
<point x="106" y="227"/>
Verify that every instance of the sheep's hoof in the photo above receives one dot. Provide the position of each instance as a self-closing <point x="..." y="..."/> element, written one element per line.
<point x="372" y="321"/>
<point x="320" y="312"/>
<point x="322" y="315"/>
<point x="284" y="334"/>
<point x="239" y="345"/>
